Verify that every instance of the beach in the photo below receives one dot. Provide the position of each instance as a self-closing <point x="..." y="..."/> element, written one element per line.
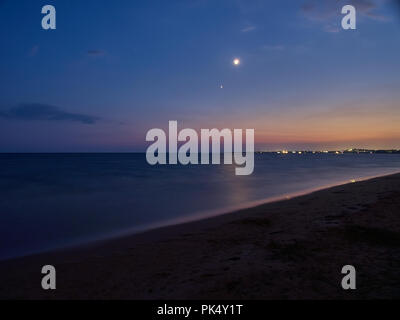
<point x="289" y="249"/>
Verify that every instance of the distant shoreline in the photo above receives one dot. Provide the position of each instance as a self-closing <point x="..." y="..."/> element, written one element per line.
<point x="290" y="249"/>
<point x="289" y="152"/>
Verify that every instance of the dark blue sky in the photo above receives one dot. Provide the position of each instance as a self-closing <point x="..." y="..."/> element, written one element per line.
<point x="112" y="70"/>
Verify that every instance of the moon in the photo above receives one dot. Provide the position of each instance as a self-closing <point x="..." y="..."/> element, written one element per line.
<point x="236" y="62"/>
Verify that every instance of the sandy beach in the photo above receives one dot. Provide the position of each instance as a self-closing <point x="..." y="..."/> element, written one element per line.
<point x="291" y="249"/>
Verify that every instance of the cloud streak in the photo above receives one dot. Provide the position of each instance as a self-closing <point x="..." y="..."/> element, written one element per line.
<point x="96" y="53"/>
<point x="277" y="47"/>
<point x="324" y="11"/>
<point x="248" y="29"/>
<point x="40" y="112"/>
<point x="33" y="51"/>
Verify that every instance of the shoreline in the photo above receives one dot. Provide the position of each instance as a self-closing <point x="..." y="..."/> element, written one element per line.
<point x="275" y="228"/>
<point x="191" y="218"/>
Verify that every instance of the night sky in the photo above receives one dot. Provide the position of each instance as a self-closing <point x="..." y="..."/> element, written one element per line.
<point x="112" y="70"/>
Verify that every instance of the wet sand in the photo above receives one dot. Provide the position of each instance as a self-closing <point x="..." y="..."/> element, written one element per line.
<point x="291" y="249"/>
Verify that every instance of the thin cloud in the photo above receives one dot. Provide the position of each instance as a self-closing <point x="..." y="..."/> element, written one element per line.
<point x="33" y="51"/>
<point x="324" y="11"/>
<point x="40" y="112"/>
<point x="273" y="47"/>
<point x="96" y="53"/>
<point x="248" y="29"/>
<point x="331" y="28"/>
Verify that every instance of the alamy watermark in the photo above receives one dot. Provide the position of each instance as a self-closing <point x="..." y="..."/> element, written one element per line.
<point x="49" y="280"/>
<point x="349" y="280"/>
<point x="348" y="21"/>
<point x="49" y="20"/>
<point x="189" y="152"/>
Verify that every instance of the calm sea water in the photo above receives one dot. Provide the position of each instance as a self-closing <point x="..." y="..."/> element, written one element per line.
<point x="53" y="200"/>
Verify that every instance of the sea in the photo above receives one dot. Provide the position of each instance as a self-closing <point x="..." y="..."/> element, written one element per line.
<point x="51" y="201"/>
